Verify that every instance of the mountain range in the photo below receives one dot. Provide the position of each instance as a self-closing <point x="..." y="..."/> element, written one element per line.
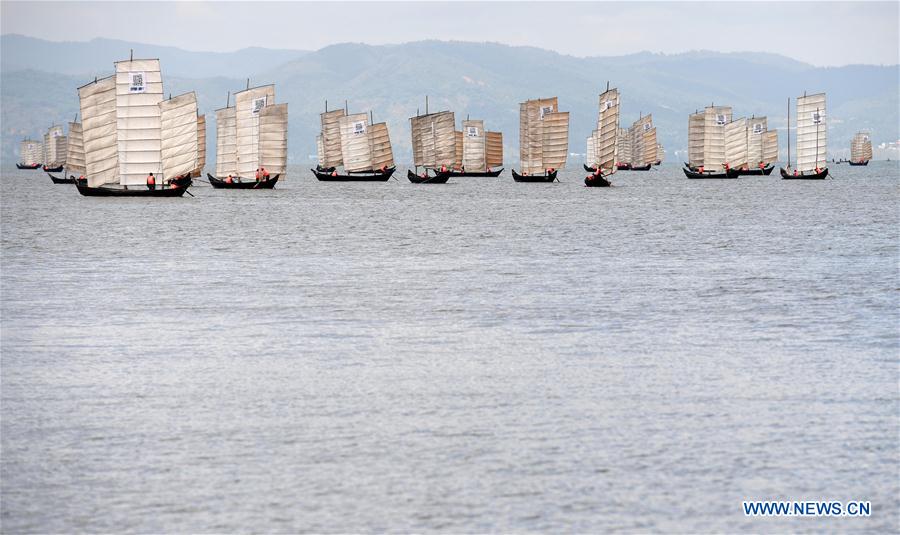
<point x="481" y="80"/>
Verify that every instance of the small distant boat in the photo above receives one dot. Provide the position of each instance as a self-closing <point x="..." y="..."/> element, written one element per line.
<point x="355" y="143"/>
<point x="602" y="144"/>
<point x="638" y="145"/>
<point x="477" y="151"/>
<point x="74" y="155"/>
<point x="706" y="144"/>
<point x="860" y="149"/>
<point x="543" y="140"/>
<point x="62" y="180"/>
<point x="55" y="144"/>
<point x="251" y="140"/>
<point x="812" y="143"/>
<point x="30" y="154"/>
<point x="437" y="146"/>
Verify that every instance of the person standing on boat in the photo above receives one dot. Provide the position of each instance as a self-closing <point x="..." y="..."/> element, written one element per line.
<point x="257" y="174"/>
<point x="265" y="174"/>
<point x="151" y="181"/>
<point x="229" y="179"/>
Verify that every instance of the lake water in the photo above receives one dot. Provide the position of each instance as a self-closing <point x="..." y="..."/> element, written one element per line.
<point x="479" y="356"/>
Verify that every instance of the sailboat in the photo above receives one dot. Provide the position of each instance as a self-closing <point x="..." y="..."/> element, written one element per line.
<point x="74" y="155"/>
<point x="54" y="149"/>
<point x="30" y="153"/>
<point x="660" y="154"/>
<point x="435" y="146"/>
<point x="706" y="143"/>
<point x="477" y="151"/>
<point x="543" y="140"/>
<point x="356" y="143"/>
<point x="860" y="149"/>
<point x="122" y="133"/>
<point x="643" y="144"/>
<point x="603" y="142"/>
<point x="251" y="138"/>
<point x="812" y="139"/>
<point x="761" y="142"/>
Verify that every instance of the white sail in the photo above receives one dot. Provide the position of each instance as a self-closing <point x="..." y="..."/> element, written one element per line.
<point x="75" y="150"/>
<point x="715" y="119"/>
<point x="139" y="90"/>
<point x="556" y="140"/>
<point x="650" y="146"/>
<point x="696" y="136"/>
<point x="812" y="133"/>
<point x="639" y="152"/>
<point x="248" y="104"/>
<point x="770" y="147"/>
<point x="273" y="127"/>
<point x="444" y="138"/>
<point x="494" y="149"/>
<point x="590" y="155"/>
<point x="535" y="134"/>
<point x="861" y="147"/>
<point x="458" y="159"/>
<point x="55" y="147"/>
<point x="31" y="152"/>
<point x="380" y="142"/>
<point x="320" y="150"/>
<point x="331" y="138"/>
<point x="357" y="153"/>
<point x="623" y="149"/>
<point x="201" y="143"/>
<point x="178" y="133"/>
<point x="422" y="141"/>
<point x="98" y="124"/>
<point x="474" y="146"/>
<point x="606" y="138"/>
<point x="226" y="142"/>
<point x="736" y="144"/>
<point x="756" y="131"/>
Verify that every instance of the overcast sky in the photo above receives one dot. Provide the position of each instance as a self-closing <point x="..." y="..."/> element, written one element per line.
<point x="821" y="33"/>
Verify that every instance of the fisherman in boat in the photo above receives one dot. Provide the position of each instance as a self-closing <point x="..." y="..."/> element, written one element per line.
<point x="334" y="173"/>
<point x="550" y="171"/>
<point x="229" y="179"/>
<point x="383" y="169"/>
<point x="257" y="174"/>
<point x="265" y="173"/>
<point x="151" y="181"/>
<point x="443" y="168"/>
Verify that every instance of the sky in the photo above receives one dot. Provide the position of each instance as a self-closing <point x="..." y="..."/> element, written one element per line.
<point x="819" y="33"/>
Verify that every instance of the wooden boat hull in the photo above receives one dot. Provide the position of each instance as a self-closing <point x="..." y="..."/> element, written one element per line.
<point x="219" y="183"/>
<point x="438" y="178"/>
<point x="63" y="180"/>
<point x="374" y="176"/>
<point x="29" y="167"/>
<point x="547" y="177"/>
<point x="708" y="174"/>
<point x="757" y="172"/>
<point x="860" y="163"/>
<point x="596" y="181"/>
<point x="812" y="176"/>
<point x="482" y="174"/>
<point x="138" y="191"/>
<point x="56" y="169"/>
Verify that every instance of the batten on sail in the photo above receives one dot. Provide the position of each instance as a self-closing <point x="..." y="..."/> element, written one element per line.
<point x="474" y="146"/>
<point x="201" y="143"/>
<point x="770" y="147"/>
<point x="606" y="135"/>
<point x="75" y="150"/>
<point x="756" y="131"/>
<point x="54" y="147"/>
<point x="331" y="138"/>
<point x="494" y="149"/>
<point x="696" y="130"/>
<point x="248" y="104"/>
<point x="178" y="133"/>
<point x="355" y="142"/>
<point x="226" y="142"/>
<point x="715" y="119"/>
<point x="139" y="90"/>
<point x="812" y="134"/>
<point x="98" y="122"/>
<point x="736" y="143"/>
<point x="380" y="141"/>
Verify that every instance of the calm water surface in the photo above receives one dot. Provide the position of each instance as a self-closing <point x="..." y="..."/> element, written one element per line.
<point x="480" y="356"/>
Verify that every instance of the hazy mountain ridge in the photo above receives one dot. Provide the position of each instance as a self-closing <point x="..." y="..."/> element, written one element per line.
<point x="486" y="80"/>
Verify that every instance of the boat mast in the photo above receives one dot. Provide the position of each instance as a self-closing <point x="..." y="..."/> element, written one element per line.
<point x="817" y="140"/>
<point x="789" y="132"/>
